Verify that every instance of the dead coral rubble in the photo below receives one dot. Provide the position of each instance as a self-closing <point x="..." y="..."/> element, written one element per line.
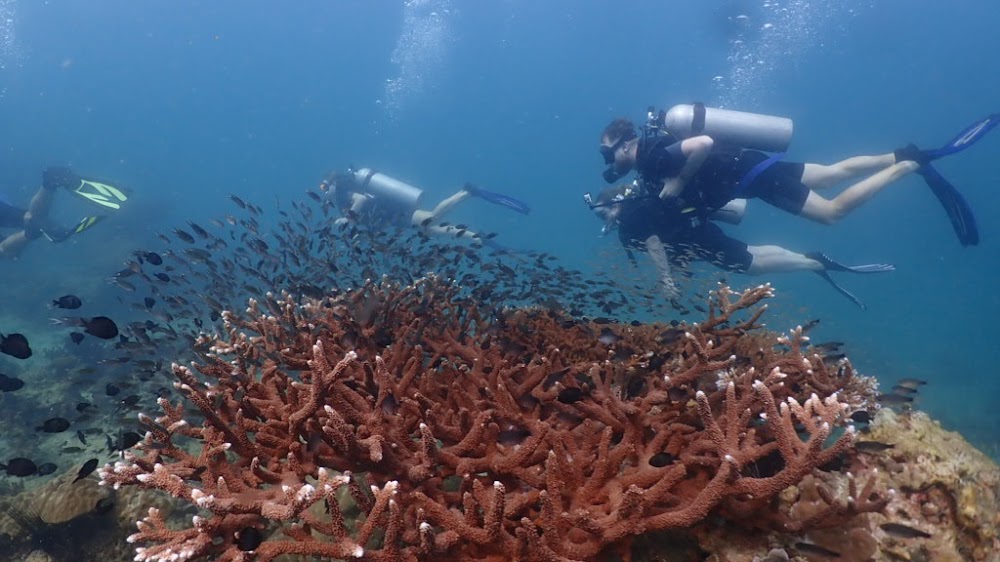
<point x="468" y="433"/>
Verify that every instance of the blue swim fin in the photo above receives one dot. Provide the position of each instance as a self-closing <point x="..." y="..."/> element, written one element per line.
<point x="498" y="198"/>
<point x="966" y="138"/>
<point x="958" y="209"/>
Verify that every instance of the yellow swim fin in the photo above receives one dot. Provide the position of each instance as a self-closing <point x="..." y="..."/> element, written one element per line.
<point x="86" y="223"/>
<point x="100" y="193"/>
<point x="59" y="234"/>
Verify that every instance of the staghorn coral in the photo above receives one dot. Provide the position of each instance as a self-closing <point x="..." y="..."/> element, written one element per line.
<point x="469" y="433"/>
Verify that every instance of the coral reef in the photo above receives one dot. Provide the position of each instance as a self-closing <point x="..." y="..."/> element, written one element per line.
<point x="70" y="519"/>
<point x="945" y="488"/>
<point x="943" y="498"/>
<point x="467" y="433"/>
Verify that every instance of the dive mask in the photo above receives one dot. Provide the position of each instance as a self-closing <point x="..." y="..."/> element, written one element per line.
<point x="610" y="174"/>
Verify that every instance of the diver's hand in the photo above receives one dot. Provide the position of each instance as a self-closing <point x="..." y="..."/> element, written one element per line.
<point x="672" y="187"/>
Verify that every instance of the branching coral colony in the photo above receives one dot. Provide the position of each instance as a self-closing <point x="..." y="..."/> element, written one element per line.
<point x="411" y="423"/>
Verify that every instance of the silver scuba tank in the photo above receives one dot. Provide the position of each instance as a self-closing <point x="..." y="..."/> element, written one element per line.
<point x="747" y="130"/>
<point x="388" y="190"/>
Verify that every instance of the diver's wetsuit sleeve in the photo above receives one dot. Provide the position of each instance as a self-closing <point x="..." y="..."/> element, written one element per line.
<point x="11" y="216"/>
<point x="660" y="159"/>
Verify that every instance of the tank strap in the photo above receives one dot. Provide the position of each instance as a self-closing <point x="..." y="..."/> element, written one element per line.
<point x="698" y="120"/>
<point x="368" y="178"/>
<point x="757" y="170"/>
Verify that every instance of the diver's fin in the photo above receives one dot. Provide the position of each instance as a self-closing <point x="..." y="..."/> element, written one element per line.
<point x="826" y="276"/>
<point x="100" y="194"/>
<point x="498" y="198"/>
<point x="87" y="222"/>
<point x="58" y="234"/>
<point x="831" y="265"/>
<point x="966" y="138"/>
<point x="958" y="209"/>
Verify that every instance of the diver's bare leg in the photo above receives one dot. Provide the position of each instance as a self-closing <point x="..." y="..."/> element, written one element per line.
<point x="38" y="209"/>
<point x="829" y="211"/>
<point x="775" y="259"/>
<point x="12" y="245"/>
<point x="819" y="176"/>
<point x="420" y="216"/>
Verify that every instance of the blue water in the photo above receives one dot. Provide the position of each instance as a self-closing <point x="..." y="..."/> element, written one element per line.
<point x="188" y="101"/>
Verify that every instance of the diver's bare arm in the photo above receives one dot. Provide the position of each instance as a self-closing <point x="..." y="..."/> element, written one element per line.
<point x="695" y="150"/>
<point x="657" y="252"/>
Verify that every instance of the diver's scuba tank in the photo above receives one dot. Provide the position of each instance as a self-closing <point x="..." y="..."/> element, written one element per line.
<point x="387" y="190"/>
<point x="747" y="130"/>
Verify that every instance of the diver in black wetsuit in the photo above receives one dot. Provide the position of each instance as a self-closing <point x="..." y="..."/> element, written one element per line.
<point x="699" y="174"/>
<point x="674" y="236"/>
<point x="34" y="222"/>
<point x="705" y="174"/>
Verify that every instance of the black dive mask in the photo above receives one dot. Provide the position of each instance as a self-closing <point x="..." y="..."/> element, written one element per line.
<point x="611" y="175"/>
<point x="608" y="152"/>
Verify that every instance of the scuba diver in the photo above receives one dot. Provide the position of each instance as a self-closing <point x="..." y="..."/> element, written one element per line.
<point x="34" y="222"/>
<point x="366" y="195"/>
<point x="673" y="236"/>
<point x="706" y="157"/>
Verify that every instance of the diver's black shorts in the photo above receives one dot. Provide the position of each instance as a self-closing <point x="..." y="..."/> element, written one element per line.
<point x="780" y="185"/>
<point x="707" y="242"/>
<point x="11" y="216"/>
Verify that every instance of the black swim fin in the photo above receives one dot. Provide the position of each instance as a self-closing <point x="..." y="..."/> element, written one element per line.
<point x="826" y="276"/>
<point x="830" y="265"/>
<point x="58" y="234"/>
<point x="498" y="198"/>
<point x="959" y="211"/>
